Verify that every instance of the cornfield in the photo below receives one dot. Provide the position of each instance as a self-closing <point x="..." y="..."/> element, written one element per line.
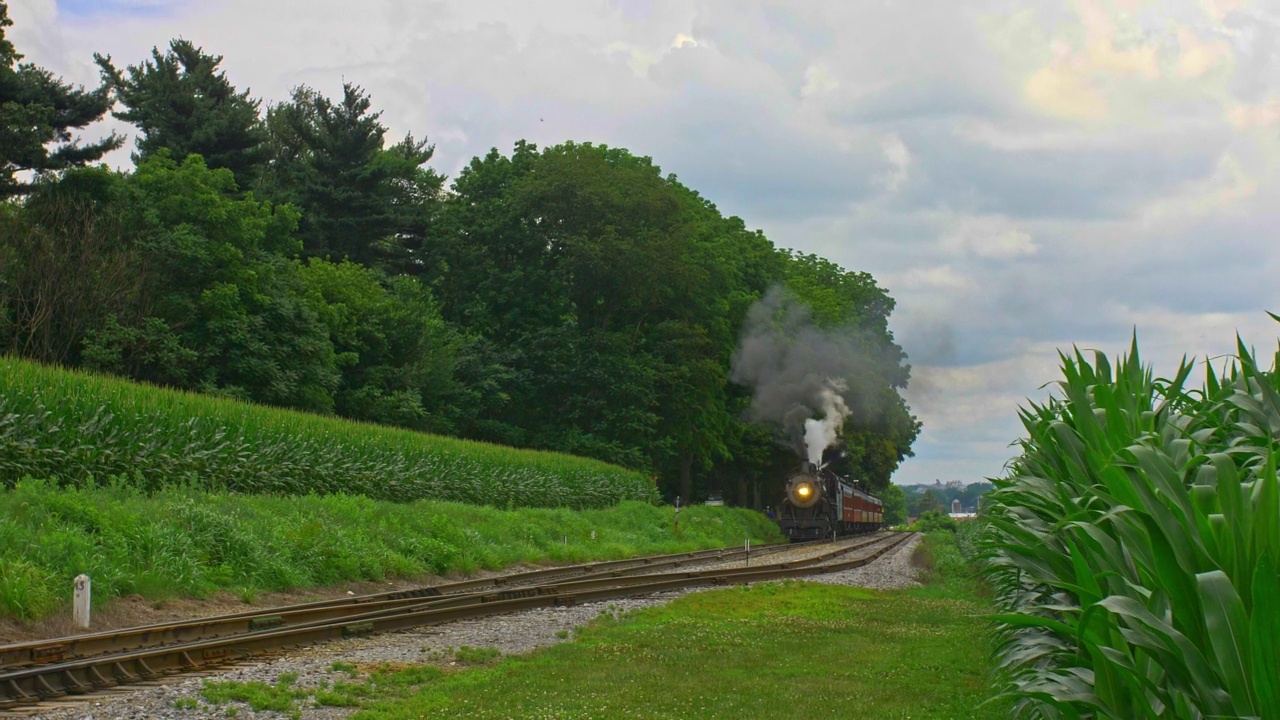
<point x="1134" y="547"/>
<point x="76" y="429"/>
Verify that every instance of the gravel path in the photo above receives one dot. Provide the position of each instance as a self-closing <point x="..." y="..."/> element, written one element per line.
<point x="511" y="634"/>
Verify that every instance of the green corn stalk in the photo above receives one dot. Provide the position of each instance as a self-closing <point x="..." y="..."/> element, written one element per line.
<point x="1133" y="545"/>
<point x="80" y="429"/>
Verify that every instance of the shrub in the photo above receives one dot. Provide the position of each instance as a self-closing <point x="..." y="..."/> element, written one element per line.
<point x="931" y="520"/>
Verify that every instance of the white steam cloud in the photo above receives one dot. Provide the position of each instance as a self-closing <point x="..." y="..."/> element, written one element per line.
<point x="820" y="434"/>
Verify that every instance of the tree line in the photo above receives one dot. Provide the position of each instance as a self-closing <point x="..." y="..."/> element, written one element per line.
<point x="569" y="298"/>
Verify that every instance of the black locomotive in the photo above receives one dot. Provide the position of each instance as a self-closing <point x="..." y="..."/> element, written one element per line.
<point x="821" y="504"/>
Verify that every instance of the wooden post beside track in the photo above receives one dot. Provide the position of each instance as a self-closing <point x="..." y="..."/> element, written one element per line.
<point x="80" y="602"/>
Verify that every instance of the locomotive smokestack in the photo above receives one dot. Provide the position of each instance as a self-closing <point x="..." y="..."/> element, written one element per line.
<point x="808" y="380"/>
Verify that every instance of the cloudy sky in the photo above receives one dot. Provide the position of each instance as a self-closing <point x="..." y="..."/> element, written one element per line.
<point x="1021" y="176"/>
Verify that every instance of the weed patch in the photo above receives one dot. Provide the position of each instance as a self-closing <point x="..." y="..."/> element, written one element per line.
<point x="259" y="696"/>
<point x="466" y="655"/>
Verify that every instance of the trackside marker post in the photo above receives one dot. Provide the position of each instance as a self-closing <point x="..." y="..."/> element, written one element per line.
<point x="80" y="602"/>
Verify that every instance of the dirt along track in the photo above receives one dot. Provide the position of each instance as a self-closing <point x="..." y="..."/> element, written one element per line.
<point x="71" y="667"/>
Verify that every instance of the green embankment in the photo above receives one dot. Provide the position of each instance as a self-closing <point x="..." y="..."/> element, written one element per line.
<point x="186" y="542"/>
<point x="71" y="427"/>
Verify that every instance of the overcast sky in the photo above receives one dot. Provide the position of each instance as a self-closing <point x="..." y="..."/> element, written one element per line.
<point x="1021" y="176"/>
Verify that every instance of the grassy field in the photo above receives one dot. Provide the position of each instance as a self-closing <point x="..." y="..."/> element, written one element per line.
<point x="181" y="542"/>
<point x="74" y="428"/>
<point x="775" y="650"/>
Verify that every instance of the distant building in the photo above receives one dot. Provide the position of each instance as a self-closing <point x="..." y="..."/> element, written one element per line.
<point x="956" y="507"/>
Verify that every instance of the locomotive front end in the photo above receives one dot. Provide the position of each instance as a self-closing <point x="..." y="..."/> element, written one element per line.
<point x="808" y="510"/>
<point x="804" y="490"/>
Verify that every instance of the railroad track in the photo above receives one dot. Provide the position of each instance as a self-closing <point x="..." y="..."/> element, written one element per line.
<point x="35" y="672"/>
<point x="43" y="652"/>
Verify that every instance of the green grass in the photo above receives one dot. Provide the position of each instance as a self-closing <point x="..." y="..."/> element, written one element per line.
<point x="790" y="650"/>
<point x="73" y="428"/>
<point x="776" y="650"/>
<point x="259" y="696"/>
<point x="1134" y="547"/>
<point x="467" y="655"/>
<point x="187" y="542"/>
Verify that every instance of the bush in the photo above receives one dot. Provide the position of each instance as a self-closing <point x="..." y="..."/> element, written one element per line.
<point x="931" y="520"/>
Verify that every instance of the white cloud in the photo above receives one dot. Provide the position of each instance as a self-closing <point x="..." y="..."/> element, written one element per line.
<point x="1219" y="10"/>
<point x="898" y="156"/>
<point x="934" y="277"/>
<point x="1262" y="115"/>
<point x="1226" y="188"/>
<point x="1199" y="57"/>
<point x="980" y="397"/>
<point x="684" y="40"/>
<point x="818" y="79"/>
<point x="988" y="237"/>
<point x="1132" y="63"/>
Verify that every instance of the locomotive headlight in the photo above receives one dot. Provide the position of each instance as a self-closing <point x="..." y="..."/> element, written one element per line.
<point x="804" y="490"/>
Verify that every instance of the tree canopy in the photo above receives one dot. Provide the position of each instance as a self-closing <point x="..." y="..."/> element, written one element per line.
<point x="570" y="298"/>
<point x="361" y="200"/>
<point x="183" y="104"/>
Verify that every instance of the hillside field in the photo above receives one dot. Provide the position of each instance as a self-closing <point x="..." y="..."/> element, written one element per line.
<point x="73" y="428"/>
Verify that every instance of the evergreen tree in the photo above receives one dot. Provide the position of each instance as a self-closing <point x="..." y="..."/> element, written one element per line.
<point x="182" y="102"/>
<point x="38" y="109"/>
<point x="360" y="201"/>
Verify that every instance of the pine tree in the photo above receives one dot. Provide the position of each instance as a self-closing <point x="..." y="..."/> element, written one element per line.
<point x="360" y="201"/>
<point x="182" y="102"/>
<point x="38" y="109"/>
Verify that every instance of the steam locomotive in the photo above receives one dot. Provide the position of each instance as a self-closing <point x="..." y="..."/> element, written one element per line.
<point x="821" y="504"/>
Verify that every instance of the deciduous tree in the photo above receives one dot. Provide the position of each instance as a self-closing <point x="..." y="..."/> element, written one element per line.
<point x="895" y="505"/>
<point x="396" y="354"/>
<point x="70" y="259"/>
<point x="227" y="282"/>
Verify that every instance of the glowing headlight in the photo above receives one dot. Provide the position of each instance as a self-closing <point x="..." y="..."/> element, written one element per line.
<point x="804" y="491"/>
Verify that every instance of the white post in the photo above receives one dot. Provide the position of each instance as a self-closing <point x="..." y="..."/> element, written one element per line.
<point x="80" y="602"/>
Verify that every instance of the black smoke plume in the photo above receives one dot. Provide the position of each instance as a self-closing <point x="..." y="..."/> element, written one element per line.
<point x="807" y="380"/>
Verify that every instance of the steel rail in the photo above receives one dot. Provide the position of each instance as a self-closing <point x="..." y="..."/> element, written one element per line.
<point x="53" y="650"/>
<point x="30" y="685"/>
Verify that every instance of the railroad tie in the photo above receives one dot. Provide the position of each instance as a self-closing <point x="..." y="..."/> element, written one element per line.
<point x="99" y="680"/>
<point x="49" y="690"/>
